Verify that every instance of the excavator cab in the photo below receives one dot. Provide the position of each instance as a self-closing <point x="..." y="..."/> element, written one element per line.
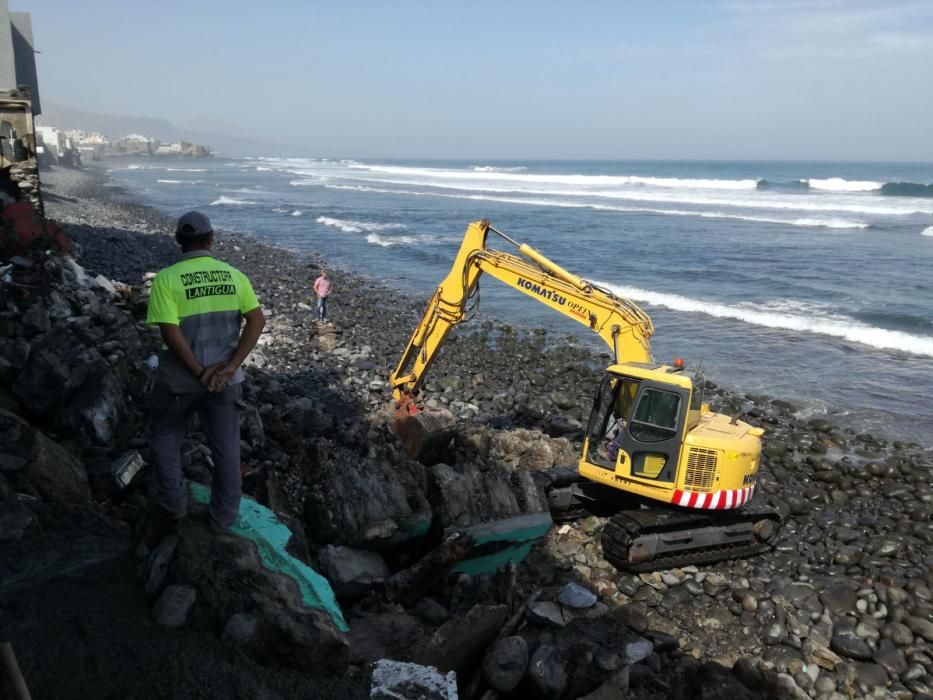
<point x="638" y="423"/>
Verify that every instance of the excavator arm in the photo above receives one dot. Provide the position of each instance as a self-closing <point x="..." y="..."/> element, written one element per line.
<point x="624" y="327"/>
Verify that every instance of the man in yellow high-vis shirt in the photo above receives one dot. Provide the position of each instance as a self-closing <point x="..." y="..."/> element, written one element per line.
<point x="199" y="304"/>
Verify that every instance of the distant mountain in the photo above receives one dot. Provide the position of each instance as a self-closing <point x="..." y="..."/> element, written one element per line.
<point x="116" y="126"/>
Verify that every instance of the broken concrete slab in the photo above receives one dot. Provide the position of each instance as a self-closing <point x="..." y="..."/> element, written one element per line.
<point x="398" y="680"/>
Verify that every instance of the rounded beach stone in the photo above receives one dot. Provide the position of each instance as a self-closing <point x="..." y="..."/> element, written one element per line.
<point x="505" y="663"/>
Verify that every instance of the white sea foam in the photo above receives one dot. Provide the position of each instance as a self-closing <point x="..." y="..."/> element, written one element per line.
<point x="357" y="226"/>
<point x="578" y="180"/>
<point x="837" y="184"/>
<point x="297" y="212"/>
<point x="806" y="321"/>
<point x="173" y="182"/>
<point x="928" y="231"/>
<point x="498" y="169"/>
<point x="225" y="200"/>
<point x="188" y="170"/>
<point x="281" y="210"/>
<point x="261" y="168"/>
<point x="847" y="204"/>
<point x="376" y="239"/>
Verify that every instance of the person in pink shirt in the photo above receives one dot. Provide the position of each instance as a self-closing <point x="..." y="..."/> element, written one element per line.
<point x="322" y="287"/>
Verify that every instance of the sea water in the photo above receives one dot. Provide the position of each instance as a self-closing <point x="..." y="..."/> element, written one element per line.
<point x="806" y="281"/>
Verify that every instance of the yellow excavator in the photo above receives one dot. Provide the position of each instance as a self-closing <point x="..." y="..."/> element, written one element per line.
<point x="675" y="477"/>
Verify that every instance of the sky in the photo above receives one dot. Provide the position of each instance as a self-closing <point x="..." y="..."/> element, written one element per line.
<point x="736" y="79"/>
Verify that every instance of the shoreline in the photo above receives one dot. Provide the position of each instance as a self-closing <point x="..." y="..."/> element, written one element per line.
<point x="851" y="563"/>
<point x="804" y="409"/>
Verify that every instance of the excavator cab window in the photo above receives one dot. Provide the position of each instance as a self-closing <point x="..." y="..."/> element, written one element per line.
<point x="611" y="414"/>
<point x="655" y="417"/>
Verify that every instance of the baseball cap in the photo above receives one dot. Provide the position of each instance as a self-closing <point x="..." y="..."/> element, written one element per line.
<point x="192" y="225"/>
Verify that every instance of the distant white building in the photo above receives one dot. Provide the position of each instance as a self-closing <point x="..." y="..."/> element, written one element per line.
<point x="59" y="146"/>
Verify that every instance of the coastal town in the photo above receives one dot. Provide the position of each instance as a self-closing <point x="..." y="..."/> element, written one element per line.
<point x="72" y="147"/>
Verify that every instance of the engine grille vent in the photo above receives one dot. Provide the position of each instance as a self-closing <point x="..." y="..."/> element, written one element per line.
<point x="701" y="469"/>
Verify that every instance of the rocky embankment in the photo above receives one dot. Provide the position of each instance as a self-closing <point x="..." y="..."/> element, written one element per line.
<point x="841" y="608"/>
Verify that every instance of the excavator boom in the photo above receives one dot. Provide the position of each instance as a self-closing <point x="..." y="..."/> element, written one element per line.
<point x="624" y="327"/>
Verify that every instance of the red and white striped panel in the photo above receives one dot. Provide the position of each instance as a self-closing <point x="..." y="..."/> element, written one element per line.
<point x="717" y="500"/>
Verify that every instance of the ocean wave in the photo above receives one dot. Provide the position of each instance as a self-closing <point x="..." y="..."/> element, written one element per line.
<point x="907" y="189"/>
<point x="928" y="231"/>
<point x="791" y="186"/>
<point x="297" y="212"/>
<point x="838" y="184"/>
<point x="821" y="324"/>
<point x="173" y="182"/>
<point x="561" y="179"/>
<point x="225" y="200"/>
<point x="188" y="170"/>
<point x="833" y="223"/>
<point x="844" y="204"/>
<point x="384" y="242"/>
<point x="497" y="169"/>
<point x="356" y="226"/>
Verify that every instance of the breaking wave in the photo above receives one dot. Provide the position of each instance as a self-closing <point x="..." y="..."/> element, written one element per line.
<point x="832" y="325"/>
<point x="928" y="231"/>
<point x="297" y="212"/>
<point x="808" y="222"/>
<point x="498" y="169"/>
<point x="188" y="170"/>
<point x="356" y="226"/>
<point x="838" y="184"/>
<point x="376" y="239"/>
<point x="225" y="200"/>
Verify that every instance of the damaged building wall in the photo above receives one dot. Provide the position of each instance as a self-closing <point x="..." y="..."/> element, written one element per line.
<point x="24" y="56"/>
<point x="19" y="102"/>
<point x="19" y="173"/>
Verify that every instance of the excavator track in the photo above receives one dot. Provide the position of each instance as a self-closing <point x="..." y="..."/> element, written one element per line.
<point x="663" y="538"/>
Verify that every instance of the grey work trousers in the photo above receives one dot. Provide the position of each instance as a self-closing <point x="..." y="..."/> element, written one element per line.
<point x="220" y="419"/>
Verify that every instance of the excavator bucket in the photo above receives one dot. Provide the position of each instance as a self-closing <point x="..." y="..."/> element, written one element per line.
<point x="425" y="435"/>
